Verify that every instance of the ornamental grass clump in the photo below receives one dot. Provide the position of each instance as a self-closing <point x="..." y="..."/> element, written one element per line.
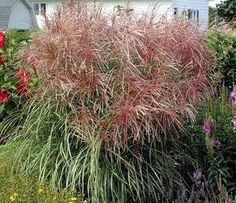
<point x="128" y="77"/>
<point x="112" y="88"/>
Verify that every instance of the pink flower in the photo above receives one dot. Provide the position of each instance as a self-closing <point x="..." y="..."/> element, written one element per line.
<point x="4" y="96"/>
<point x="232" y="95"/>
<point x="233" y="122"/>
<point x="216" y="143"/>
<point x="208" y="126"/>
<point x="2" y="40"/>
<point x="197" y="176"/>
<point x="23" y="76"/>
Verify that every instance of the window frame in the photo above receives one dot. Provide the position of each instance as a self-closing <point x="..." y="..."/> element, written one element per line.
<point x="43" y="8"/>
<point x="40" y="8"/>
<point x="36" y="8"/>
<point x="191" y="14"/>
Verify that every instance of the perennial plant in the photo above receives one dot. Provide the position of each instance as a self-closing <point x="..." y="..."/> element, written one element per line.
<point x="113" y="91"/>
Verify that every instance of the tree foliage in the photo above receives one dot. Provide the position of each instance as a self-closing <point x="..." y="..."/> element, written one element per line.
<point x="227" y="10"/>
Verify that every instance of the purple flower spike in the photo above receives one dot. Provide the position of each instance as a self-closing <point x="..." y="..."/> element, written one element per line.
<point x="229" y="200"/>
<point x="233" y="121"/>
<point x="232" y="95"/>
<point x="208" y="127"/>
<point x="197" y="176"/>
<point x="216" y="143"/>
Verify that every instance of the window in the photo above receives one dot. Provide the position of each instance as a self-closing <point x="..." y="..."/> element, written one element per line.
<point x="40" y="8"/>
<point x="184" y="14"/>
<point x="191" y="14"/>
<point x="175" y="11"/>
<point x="195" y="15"/>
<point x="36" y="9"/>
<point x="43" y="9"/>
<point x="197" y="18"/>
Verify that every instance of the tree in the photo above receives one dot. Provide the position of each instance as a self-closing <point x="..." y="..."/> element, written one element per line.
<point x="226" y="10"/>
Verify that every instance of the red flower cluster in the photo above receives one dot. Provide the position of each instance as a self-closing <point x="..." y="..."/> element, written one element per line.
<point x="24" y="79"/>
<point x="2" y="45"/>
<point x="2" y="40"/>
<point x="4" y="96"/>
<point x="23" y="76"/>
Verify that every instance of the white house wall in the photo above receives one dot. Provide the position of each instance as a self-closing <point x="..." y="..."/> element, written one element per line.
<point x="139" y="6"/>
<point x="201" y="5"/>
<point x="20" y="17"/>
<point x="163" y="6"/>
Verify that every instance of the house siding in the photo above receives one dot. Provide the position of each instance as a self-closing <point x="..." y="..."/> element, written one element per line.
<point x="138" y="5"/>
<point x="165" y="6"/>
<point x="200" y="5"/>
<point x="5" y="13"/>
<point x="20" y="17"/>
<point x="108" y="6"/>
<point x="17" y="14"/>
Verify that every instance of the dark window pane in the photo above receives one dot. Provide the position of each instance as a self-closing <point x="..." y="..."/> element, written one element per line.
<point x="43" y="9"/>
<point x="190" y="14"/>
<point x="197" y="15"/>
<point x="36" y="9"/>
<point x="175" y="11"/>
<point x="194" y="14"/>
<point x="184" y="13"/>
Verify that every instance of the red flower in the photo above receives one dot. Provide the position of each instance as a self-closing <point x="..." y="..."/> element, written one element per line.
<point x="2" y="59"/>
<point x="23" y="76"/>
<point x="22" y="89"/>
<point x="4" y="96"/>
<point x="2" y="40"/>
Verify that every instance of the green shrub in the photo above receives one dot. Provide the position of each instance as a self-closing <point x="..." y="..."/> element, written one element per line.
<point x="224" y="44"/>
<point x="227" y="10"/>
<point x="10" y="89"/>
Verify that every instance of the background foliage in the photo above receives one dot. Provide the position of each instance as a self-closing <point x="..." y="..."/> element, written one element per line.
<point x="226" y="10"/>
<point x="224" y="45"/>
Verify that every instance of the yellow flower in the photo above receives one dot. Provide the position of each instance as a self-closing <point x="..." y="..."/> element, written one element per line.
<point x="85" y="201"/>
<point x="13" y="197"/>
<point x="40" y="190"/>
<point x="73" y="199"/>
